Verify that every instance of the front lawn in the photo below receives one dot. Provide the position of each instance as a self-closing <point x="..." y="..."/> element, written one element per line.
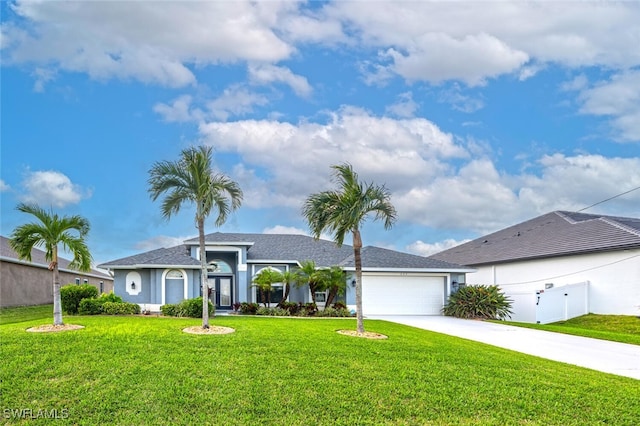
<point x="291" y="371"/>
<point x="25" y="313"/>
<point x="617" y="328"/>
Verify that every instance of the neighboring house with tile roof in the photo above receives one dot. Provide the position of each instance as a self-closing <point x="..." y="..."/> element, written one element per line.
<point x="25" y="283"/>
<point x="393" y="282"/>
<point x="561" y="248"/>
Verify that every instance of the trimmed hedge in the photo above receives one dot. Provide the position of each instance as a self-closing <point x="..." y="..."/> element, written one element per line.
<point x="71" y="295"/>
<point x="191" y="308"/>
<point x="120" y="308"/>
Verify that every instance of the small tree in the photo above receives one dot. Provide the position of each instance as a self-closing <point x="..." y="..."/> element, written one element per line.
<point x="264" y="281"/>
<point x="334" y="281"/>
<point x="48" y="232"/>
<point x="309" y="275"/>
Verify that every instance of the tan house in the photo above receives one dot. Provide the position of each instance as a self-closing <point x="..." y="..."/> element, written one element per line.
<point x="25" y="283"/>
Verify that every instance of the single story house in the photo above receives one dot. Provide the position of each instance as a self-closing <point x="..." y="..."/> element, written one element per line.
<point x="25" y="283"/>
<point x="558" y="249"/>
<point x="393" y="282"/>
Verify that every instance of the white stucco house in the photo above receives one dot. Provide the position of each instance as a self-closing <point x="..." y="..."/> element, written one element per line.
<point x="393" y="282"/>
<point x="558" y="249"/>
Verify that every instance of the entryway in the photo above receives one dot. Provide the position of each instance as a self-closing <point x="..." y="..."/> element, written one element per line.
<point x="223" y="286"/>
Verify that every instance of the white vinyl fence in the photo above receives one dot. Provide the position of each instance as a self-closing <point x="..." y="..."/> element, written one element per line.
<point x="551" y="304"/>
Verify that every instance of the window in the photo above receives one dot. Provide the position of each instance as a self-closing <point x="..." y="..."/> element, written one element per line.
<point x="174" y="274"/>
<point x="219" y="266"/>
<point x="86" y="281"/>
<point x="274" y="296"/>
<point x="321" y="297"/>
<point x="77" y="281"/>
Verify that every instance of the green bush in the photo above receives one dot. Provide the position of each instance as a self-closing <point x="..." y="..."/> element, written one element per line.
<point x="72" y="294"/>
<point x="191" y="308"/>
<point x="481" y="302"/>
<point x="94" y="306"/>
<point x="169" y="310"/>
<point x="249" y="308"/>
<point x="273" y="312"/>
<point x="333" y="312"/>
<point x="292" y="307"/>
<point x="120" y="308"/>
<point x="90" y="307"/>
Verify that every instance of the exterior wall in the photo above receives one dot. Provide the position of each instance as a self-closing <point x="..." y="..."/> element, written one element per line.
<point x="614" y="278"/>
<point x="24" y="285"/>
<point x="150" y="285"/>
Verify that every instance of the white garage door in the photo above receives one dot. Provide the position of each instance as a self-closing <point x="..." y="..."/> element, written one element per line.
<point x="402" y="295"/>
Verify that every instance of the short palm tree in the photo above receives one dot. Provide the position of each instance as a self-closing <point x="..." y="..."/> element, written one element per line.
<point x="309" y="275"/>
<point x="50" y="231"/>
<point x="343" y="211"/>
<point x="190" y="179"/>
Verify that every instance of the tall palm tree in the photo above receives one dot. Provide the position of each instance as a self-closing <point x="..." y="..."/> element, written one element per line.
<point x="343" y="211"/>
<point x="190" y="179"/>
<point x="50" y="231"/>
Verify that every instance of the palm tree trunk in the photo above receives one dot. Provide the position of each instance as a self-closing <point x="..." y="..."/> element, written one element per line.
<point x="203" y="273"/>
<point x="357" y="245"/>
<point x="333" y="291"/>
<point x="57" y="303"/>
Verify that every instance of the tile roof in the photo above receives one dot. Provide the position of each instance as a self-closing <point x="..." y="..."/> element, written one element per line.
<point x="554" y="234"/>
<point x="290" y="248"/>
<point x="38" y="257"/>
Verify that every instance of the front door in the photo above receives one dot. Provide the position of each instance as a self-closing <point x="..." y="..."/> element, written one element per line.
<point x="223" y="292"/>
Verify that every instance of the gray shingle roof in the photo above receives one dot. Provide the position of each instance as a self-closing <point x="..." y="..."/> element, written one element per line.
<point x="554" y="234"/>
<point x="38" y="257"/>
<point x="174" y="256"/>
<point x="289" y="248"/>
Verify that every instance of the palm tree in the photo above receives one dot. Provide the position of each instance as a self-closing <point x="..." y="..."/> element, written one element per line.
<point x="310" y="275"/>
<point x="335" y="283"/>
<point x="288" y="278"/>
<point x="264" y="281"/>
<point x="48" y="233"/>
<point x="344" y="210"/>
<point x="191" y="180"/>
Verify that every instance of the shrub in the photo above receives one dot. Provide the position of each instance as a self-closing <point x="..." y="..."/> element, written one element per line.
<point x="71" y="295"/>
<point x="273" y="312"/>
<point x="191" y="308"/>
<point x="333" y="312"/>
<point x="249" y="308"/>
<point x="308" y="309"/>
<point x="292" y="307"/>
<point x="169" y="310"/>
<point x="340" y="305"/>
<point x="120" y="308"/>
<point x="90" y="307"/>
<point x="94" y="306"/>
<point x="482" y="302"/>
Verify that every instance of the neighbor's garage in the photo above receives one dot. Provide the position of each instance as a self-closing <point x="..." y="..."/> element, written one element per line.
<point x="392" y="294"/>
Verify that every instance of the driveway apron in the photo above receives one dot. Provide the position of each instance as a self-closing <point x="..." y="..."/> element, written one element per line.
<point x="610" y="357"/>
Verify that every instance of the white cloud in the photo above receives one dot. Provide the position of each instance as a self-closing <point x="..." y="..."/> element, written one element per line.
<point x="295" y="159"/>
<point x="474" y="41"/>
<point x="161" y="241"/>
<point x="51" y="188"/>
<point x="281" y="229"/>
<point x="267" y="74"/>
<point x="617" y="98"/>
<point x="42" y="76"/>
<point x="459" y="101"/>
<point x="4" y="186"/>
<point x="405" y="107"/>
<point x="421" y="248"/>
<point x="106" y="39"/>
<point x="179" y="110"/>
<point x="235" y="101"/>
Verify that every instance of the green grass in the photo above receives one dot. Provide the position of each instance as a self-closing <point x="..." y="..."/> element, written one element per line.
<point x="617" y="328"/>
<point x="287" y="371"/>
<point x="25" y="313"/>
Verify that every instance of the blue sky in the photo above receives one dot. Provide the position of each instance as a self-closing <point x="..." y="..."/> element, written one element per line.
<point x="474" y="115"/>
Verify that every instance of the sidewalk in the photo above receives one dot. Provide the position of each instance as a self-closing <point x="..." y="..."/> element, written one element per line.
<point x="609" y="357"/>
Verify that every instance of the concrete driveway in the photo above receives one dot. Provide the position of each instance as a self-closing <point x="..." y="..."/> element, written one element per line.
<point x="609" y="357"/>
